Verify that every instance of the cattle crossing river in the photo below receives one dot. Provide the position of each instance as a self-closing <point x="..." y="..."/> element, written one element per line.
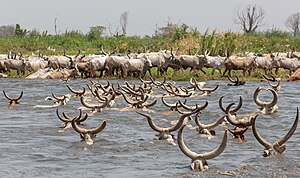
<point x="31" y="146"/>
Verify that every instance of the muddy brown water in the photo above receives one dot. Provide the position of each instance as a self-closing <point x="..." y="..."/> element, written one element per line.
<point x="31" y="146"/>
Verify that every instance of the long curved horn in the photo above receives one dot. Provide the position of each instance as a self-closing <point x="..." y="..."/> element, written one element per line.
<point x="194" y="155"/>
<point x="167" y="88"/>
<point x="128" y="101"/>
<point x="171" y="105"/>
<point x="272" y="79"/>
<point x="291" y="131"/>
<point x="237" y="79"/>
<point x="116" y="91"/>
<point x="230" y="79"/>
<point x="193" y="81"/>
<point x="196" y="110"/>
<point x="107" y="84"/>
<point x="229" y="117"/>
<point x="110" y="91"/>
<point x="146" y="88"/>
<point x="60" y="118"/>
<point x="259" y="138"/>
<point x="99" y="128"/>
<point x="93" y="106"/>
<point x="150" y="104"/>
<point x="169" y="129"/>
<point x="151" y="123"/>
<point x="184" y="148"/>
<point x="78" y="53"/>
<point x="132" y="90"/>
<point x="275" y="98"/>
<point x="145" y="82"/>
<point x="82" y="119"/>
<point x="77" y="117"/>
<point x="13" y="99"/>
<point x="208" y="126"/>
<point x="157" y="83"/>
<point x="256" y="99"/>
<point x="78" y="93"/>
<point x="275" y="87"/>
<point x="130" y="86"/>
<point x="221" y="104"/>
<point x="104" y="104"/>
<point x="239" y="105"/>
<point x="164" y="80"/>
<point x="181" y="120"/>
<point x="190" y="108"/>
<point x="174" y="90"/>
<point x="77" y="128"/>
<point x="233" y="110"/>
<point x="207" y="89"/>
<point x="58" y="98"/>
<point x="102" y="50"/>
<point x="218" y="150"/>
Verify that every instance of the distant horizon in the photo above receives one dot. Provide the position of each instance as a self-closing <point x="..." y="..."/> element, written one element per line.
<point x="106" y="33"/>
<point x="78" y="15"/>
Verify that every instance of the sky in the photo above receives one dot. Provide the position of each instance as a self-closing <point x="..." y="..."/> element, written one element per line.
<point x="143" y="15"/>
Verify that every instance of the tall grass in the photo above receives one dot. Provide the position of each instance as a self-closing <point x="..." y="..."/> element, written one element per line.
<point x="216" y="43"/>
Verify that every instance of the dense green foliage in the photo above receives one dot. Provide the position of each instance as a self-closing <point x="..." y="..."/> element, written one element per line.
<point x="181" y="38"/>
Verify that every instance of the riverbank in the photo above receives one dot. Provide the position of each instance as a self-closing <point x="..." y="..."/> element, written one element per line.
<point x="185" y="75"/>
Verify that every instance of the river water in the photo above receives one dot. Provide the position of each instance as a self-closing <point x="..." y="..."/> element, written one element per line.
<point x="31" y="146"/>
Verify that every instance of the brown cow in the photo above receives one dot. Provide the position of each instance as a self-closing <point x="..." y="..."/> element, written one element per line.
<point x="295" y="76"/>
<point x="239" y="63"/>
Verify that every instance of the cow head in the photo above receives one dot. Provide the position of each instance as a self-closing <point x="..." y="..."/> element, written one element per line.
<point x="147" y="63"/>
<point x="88" y="134"/>
<point x="13" y="101"/>
<point x="238" y="133"/>
<point x="74" y="72"/>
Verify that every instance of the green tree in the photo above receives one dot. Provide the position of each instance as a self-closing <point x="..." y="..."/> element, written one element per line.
<point x="96" y="32"/>
<point x="20" y="32"/>
<point x="34" y="33"/>
<point x="167" y="31"/>
<point x="7" y="30"/>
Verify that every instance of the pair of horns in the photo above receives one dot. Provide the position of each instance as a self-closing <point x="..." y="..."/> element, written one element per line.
<point x="168" y="129"/>
<point x="265" y="104"/>
<point x="278" y="145"/>
<point x="197" y="156"/>
<point x="157" y="83"/>
<point x="242" y="123"/>
<point x="13" y="100"/>
<point x="207" y="126"/>
<point x="92" y="131"/>
<point x="87" y="105"/>
<point x="231" y="110"/>
<point x="207" y="90"/>
<point x="169" y="105"/>
<point x="197" y="107"/>
<point x="77" y="92"/>
<point x="69" y="119"/>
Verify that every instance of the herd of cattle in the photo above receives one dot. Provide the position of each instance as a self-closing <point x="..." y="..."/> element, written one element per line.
<point x="137" y="64"/>
<point x="99" y="96"/>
